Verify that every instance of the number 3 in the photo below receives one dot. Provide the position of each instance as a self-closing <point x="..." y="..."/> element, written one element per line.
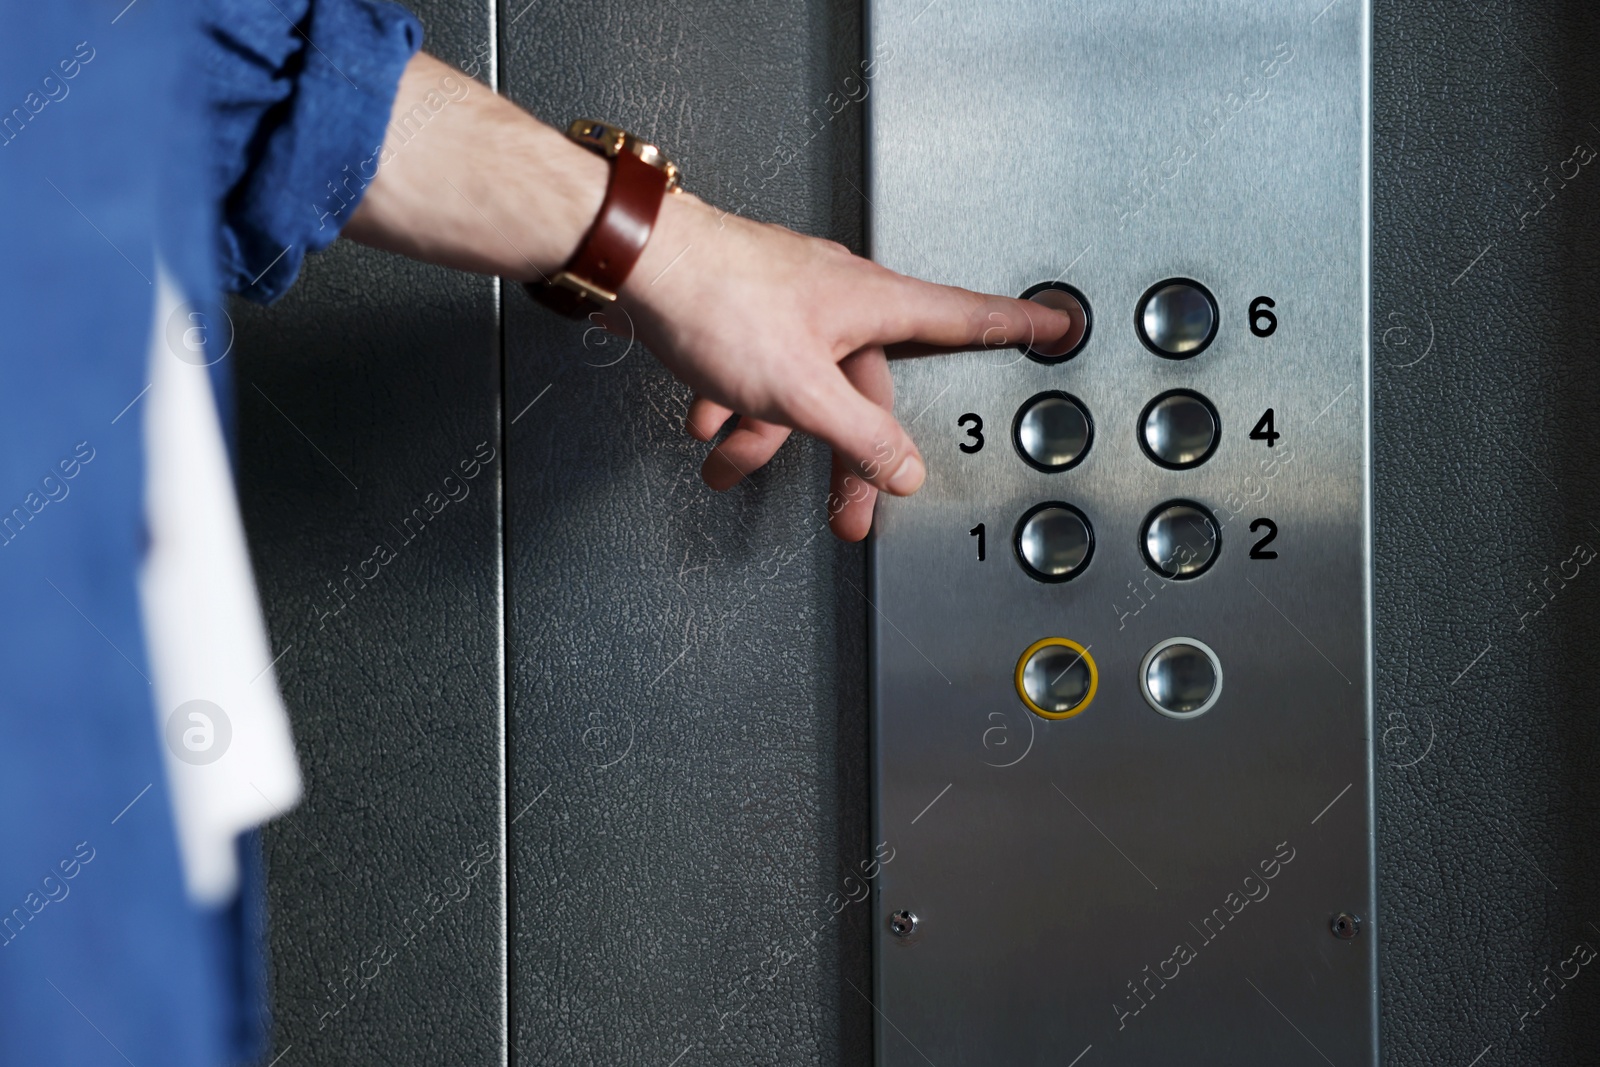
<point x="974" y="425"/>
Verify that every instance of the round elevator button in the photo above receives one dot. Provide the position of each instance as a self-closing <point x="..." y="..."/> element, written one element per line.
<point x="1179" y="429"/>
<point x="1181" y="677"/>
<point x="1054" y="542"/>
<point x="1177" y="318"/>
<point x="1060" y="297"/>
<point x="1180" y="540"/>
<point x="1052" y="431"/>
<point x="1056" y="678"/>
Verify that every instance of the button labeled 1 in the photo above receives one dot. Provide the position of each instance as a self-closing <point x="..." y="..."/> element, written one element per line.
<point x="1054" y="542"/>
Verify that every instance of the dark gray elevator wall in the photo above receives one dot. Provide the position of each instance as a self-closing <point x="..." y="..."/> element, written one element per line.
<point x="357" y="396"/>
<point x="687" y="669"/>
<point x="1485" y="393"/>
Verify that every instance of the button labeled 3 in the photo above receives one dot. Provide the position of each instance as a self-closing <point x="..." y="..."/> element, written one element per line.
<point x="1053" y="431"/>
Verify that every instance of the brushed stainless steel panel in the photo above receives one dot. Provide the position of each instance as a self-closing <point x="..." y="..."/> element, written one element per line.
<point x="1095" y="886"/>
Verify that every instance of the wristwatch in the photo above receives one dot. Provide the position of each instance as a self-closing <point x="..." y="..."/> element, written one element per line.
<point x="641" y="177"/>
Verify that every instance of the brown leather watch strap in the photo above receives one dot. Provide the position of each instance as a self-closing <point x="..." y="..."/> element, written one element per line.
<point x="608" y="252"/>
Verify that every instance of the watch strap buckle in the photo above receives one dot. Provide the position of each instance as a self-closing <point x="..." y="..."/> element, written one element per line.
<point x="583" y="287"/>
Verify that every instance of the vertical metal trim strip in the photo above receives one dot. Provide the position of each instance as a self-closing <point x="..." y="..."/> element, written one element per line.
<point x="874" y="775"/>
<point x="1373" y="923"/>
<point x="507" y="904"/>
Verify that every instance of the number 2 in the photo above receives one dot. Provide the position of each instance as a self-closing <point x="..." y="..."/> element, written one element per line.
<point x="974" y="431"/>
<point x="1259" y="550"/>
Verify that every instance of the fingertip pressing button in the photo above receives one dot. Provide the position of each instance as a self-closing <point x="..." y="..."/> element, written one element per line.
<point x="1177" y="318"/>
<point x="1181" y="677"/>
<point x="1060" y="296"/>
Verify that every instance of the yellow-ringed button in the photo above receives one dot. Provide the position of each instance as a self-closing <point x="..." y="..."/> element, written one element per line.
<point x="1056" y="678"/>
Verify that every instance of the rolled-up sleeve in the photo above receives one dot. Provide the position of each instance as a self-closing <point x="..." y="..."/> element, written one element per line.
<point x="299" y="93"/>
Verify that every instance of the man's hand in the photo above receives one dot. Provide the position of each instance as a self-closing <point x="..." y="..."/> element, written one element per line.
<point x="789" y="333"/>
<point x="784" y="330"/>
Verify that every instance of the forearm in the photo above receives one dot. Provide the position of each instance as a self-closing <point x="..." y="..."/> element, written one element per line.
<point x="469" y="180"/>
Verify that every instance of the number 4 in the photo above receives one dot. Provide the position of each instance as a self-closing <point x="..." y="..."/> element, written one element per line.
<point x="1264" y="430"/>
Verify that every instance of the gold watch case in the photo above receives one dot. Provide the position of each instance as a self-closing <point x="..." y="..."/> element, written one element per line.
<point x="608" y="140"/>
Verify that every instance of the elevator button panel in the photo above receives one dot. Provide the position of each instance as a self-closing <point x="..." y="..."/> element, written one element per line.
<point x="1119" y="650"/>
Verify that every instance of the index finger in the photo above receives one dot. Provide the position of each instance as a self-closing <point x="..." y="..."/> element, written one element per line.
<point x="947" y="316"/>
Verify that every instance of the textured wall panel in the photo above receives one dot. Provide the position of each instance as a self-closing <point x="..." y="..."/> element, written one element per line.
<point x="687" y="670"/>
<point x="357" y="396"/>
<point x="1485" y="391"/>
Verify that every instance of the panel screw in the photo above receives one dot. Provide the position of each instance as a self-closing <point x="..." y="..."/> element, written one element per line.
<point x="1345" y="926"/>
<point x="902" y="923"/>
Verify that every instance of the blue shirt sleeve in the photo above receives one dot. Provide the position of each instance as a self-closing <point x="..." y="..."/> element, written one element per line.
<point x="299" y="94"/>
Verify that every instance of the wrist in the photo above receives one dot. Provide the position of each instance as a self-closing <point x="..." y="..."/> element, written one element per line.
<point x="554" y="218"/>
<point x="640" y="182"/>
<point x="681" y="223"/>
